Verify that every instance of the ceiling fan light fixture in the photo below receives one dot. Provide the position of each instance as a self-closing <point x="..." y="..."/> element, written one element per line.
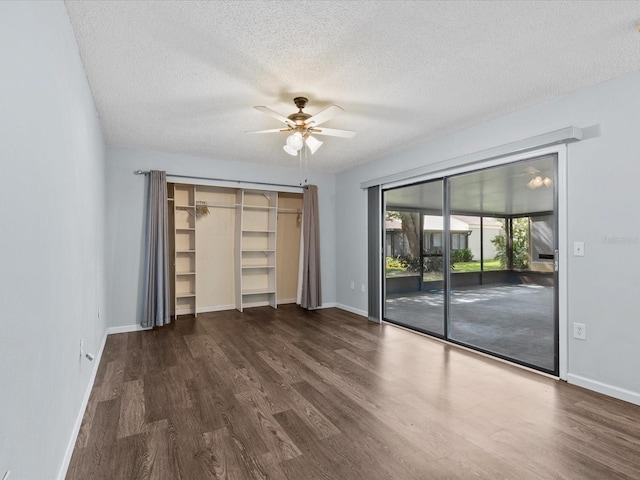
<point x="295" y="141"/>
<point x="300" y="124"/>
<point x="290" y="150"/>
<point x="313" y="143"/>
<point x="538" y="182"/>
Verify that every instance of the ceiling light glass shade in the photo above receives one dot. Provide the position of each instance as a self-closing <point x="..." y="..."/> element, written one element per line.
<point x="295" y="141"/>
<point x="537" y="182"/>
<point x="547" y="182"/>
<point x="290" y="150"/>
<point x="531" y="185"/>
<point x="313" y="143"/>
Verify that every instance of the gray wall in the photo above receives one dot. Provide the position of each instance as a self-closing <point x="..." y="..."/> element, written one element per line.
<point x="125" y="217"/>
<point x="603" y="176"/>
<point x="52" y="243"/>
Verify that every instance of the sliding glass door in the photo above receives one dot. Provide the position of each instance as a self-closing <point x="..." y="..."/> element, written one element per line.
<point x="414" y="279"/>
<point x="482" y="271"/>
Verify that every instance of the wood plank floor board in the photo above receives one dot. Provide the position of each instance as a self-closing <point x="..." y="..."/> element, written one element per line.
<point x="161" y="451"/>
<point x="131" y="420"/>
<point x="333" y="463"/>
<point x="130" y="458"/>
<point x="276" y="439"/>
<point x="220" y="459"/>
<point x="356" y="422"/>
<point x="289" y="394"/>
<point x="134" y="367"/>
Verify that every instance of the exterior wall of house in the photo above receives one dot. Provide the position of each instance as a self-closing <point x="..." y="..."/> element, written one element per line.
<point x="489" y="234"/>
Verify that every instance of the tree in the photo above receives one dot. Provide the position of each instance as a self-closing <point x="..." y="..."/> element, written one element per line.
<point x="410" y="227"/>
<point x="520" y="244"/>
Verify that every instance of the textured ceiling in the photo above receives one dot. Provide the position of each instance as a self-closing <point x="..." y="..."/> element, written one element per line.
<point x="183" y="76"/>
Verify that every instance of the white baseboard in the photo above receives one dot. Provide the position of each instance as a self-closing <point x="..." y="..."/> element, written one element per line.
<point x="357" y="311"/>
<point x="327" y="305"/>
<point x="83" y="406"/>
<point x="216" y="308"/>
<point x="610" y="390"/>
<point x="264" y="303"/>
<point x="126" y="329"/>
<point x="286" y="301"/>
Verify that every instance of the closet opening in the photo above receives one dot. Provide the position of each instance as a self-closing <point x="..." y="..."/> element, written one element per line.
<point x="232" y="248"/>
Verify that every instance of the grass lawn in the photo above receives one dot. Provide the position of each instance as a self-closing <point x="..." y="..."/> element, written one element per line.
<point x="475" y="266"/>
<point x="458" y="268"/>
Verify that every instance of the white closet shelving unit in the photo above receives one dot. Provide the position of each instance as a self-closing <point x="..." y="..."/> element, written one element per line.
<point x="184" y="262"/>
<point x="256" y="222"/>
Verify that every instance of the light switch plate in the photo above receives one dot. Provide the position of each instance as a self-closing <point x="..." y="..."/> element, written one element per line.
<point x="578" y="249"/>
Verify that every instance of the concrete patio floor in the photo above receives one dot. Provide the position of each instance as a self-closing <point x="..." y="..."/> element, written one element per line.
<point x="515" y="321"/>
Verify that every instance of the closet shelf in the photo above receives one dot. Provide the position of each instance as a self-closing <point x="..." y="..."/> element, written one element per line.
<point x="258" y="207"/>
<point x="256" y="226"/>
<point x="185" y="295"/>
<point x="183" y="229"/>
<point x="258" y="291"/>
<point x="218" y="204"/>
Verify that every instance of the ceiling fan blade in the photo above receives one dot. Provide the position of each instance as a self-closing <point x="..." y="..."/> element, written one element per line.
<point x="324" y="115"/>
<point x="276" y="115"/>
<point x="272" y="130"/>
<point x="333" y="132"/>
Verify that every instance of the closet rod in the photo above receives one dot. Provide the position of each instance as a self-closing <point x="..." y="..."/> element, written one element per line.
<point x="143" y="172"/>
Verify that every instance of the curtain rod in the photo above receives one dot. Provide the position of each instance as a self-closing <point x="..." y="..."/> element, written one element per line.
<point x="146" y="172"/>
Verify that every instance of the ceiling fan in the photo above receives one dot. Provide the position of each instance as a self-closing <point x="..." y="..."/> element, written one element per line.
<point x="301" y="125"/>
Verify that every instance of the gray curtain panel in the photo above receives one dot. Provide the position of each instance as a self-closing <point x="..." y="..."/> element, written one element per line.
<point x="311" y="291"/>
<point x="374" y="224"/>
<point x="155" y="310"/>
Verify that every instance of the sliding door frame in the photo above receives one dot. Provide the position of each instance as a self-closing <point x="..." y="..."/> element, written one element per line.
<point x="560" y="203"/>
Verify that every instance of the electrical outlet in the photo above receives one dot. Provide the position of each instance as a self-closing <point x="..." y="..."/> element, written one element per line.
<point x="580" y="331"/>
<point x="353" y="284"/>
<point x="362" y="287"/>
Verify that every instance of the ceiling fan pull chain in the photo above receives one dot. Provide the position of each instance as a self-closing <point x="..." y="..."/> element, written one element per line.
<point x="300" y="164"/>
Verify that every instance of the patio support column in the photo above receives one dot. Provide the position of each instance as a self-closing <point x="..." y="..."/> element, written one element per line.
<point x="509" y="244"/>
<point x="421" y="237"/>
<point x="481" y="250"/>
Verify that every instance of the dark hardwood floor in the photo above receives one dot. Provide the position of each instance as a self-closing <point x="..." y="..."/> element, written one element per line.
<point x="290" y="394"/>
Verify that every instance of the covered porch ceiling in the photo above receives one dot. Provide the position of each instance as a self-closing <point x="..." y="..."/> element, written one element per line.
<point x="495" y="191"/>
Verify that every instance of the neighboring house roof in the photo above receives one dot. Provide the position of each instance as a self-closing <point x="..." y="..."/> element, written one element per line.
<point x="474" y="222"/>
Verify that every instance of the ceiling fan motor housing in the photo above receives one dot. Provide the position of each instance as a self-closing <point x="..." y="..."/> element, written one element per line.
<point x="299" y="117"/>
